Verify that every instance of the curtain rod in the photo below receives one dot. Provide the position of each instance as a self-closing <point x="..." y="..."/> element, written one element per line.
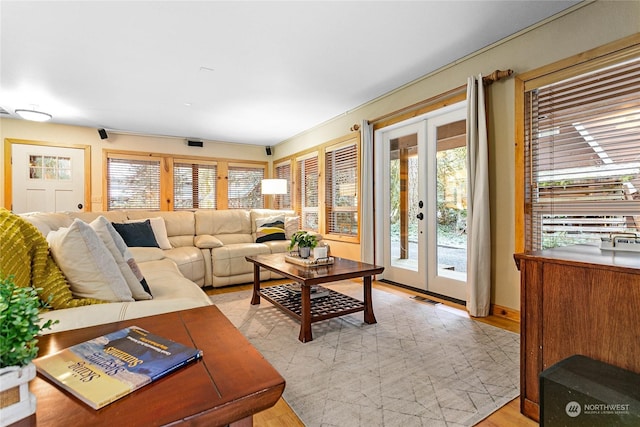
<point x="486" y="80"/>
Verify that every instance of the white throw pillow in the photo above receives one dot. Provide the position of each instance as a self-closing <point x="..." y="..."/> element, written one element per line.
<point x="87" y="263"/>
<point x="114" y="242"/>
<point x="291" y="225"/>
<point x="159" y="231"/>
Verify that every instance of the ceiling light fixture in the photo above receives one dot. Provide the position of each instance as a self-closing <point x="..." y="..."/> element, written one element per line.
<point x="33" y="115"/>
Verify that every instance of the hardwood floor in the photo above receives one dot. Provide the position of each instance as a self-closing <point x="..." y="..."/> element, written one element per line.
<point x="508" y="416"/>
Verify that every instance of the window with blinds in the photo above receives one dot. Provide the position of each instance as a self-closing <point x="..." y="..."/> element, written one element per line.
<point x="244" y="190"/>
<point x="194" y="185"/>
<point x="133" y="183"/>
<point x="341" y="190"/>
<point x="283" y="171"/>
<point x="582" y="157"/>
<point x="307" y="192"/>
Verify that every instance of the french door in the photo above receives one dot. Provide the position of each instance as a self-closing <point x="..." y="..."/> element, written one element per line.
<point x="422" y="168"/>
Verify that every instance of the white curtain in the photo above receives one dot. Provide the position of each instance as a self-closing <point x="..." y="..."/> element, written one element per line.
<point x="478" y="212"/>
<point x="366" y="166"/>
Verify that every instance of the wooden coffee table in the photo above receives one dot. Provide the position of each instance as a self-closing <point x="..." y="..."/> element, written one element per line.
<point x="231" y="382"/>
<point x="304" y="309"/>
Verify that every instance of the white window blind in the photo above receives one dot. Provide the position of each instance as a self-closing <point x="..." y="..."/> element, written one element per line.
<point x="307" y="191"/>
<point x="582" y="157"/>
<point x="194" y="185"/>
<point x="283" y="171"/>
<point x="244" y="187"/>
<point x="341" y="190"/>
<point x="133" y="184"/>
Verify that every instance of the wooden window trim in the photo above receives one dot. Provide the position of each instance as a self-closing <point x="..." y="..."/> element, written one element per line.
<point x="602" y="56"/>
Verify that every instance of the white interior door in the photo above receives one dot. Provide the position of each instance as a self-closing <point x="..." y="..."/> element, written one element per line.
<point x="422" y="168"/>
<point x="47" y="178"/>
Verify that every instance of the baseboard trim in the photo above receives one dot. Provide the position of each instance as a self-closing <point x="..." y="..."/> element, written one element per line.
<point x="506" y="312"/>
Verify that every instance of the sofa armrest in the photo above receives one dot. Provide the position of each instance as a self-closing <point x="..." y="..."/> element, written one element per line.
<point x="207" y="241"/>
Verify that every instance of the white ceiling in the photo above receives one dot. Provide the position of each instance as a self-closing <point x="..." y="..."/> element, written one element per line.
<point x="238" y="71"/>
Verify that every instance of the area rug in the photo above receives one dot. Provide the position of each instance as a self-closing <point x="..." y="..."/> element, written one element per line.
<point x="420" y="365"/>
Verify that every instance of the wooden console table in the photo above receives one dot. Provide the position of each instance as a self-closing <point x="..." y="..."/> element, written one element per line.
<point x="576" y="300"/>
<point x="227" y="386"/>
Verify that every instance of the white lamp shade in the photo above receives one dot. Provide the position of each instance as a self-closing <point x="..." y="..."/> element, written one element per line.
<point x="274" y="186"/>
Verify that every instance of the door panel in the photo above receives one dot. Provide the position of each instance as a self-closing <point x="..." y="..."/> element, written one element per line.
<point x="447" y="243"/>
<point x="405" y="260"/>
<point x="47" y="178"/>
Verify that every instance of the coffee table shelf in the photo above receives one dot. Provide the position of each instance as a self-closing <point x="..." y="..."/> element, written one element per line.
<point x="333" y="305"/>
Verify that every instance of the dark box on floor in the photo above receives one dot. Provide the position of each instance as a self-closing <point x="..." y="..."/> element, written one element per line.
<point x="580" y="391"/>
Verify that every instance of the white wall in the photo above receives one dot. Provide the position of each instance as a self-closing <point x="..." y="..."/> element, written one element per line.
<point x="585" y="27"/>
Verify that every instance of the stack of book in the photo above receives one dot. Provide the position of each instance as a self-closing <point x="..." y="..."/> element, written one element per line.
<point x="295" y="289"/>
<point x="308" y="262"/>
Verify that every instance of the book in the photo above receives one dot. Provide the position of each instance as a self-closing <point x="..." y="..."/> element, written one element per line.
<point x="295" y="289"/>
<point x="106" y="368"/>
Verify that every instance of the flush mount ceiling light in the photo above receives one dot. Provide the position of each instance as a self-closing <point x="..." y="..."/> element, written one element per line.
<point x="33" y="115"/>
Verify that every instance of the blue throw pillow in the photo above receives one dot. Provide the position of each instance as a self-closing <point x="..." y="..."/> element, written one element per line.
<point x="137" y="234"/>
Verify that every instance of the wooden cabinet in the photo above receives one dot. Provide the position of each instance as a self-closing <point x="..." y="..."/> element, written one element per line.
<point x="576" y="300"/>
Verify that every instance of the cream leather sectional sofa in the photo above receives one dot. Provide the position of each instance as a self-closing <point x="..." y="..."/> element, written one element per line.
<point x="208" y="248"/>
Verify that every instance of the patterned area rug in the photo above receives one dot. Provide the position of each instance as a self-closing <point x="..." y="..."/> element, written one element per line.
<point x="420" y="365"/>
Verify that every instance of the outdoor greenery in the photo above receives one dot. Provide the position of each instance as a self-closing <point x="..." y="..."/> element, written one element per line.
<point x="451" y="209"/>
<point x="19" y="323"/>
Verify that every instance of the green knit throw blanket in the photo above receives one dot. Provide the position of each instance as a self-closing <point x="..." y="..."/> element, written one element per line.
<point x="24" y="253"/>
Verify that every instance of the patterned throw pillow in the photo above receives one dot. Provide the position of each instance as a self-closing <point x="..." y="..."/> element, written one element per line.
<point x="271" y="228"/>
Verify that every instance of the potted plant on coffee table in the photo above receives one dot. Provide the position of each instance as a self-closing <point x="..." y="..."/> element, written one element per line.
<point x="19" y="329"/>
<point x="305" y="242"/>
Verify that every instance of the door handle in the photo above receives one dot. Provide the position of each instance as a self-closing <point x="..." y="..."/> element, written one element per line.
<point x="420" y="216"/>
<point x="80" y="206"/>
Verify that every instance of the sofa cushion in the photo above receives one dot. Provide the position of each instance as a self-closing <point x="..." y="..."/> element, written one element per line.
<point x="171" y="291"/>
<point x="159" y="230"/>
<point x="190" y="262"/>
<point x="220" y="222"/>
<point x="229" y="260"/>
<point x="144" y="254"/>
<point x="137" y="234"/>
<point x="87" y="263"/>
<point x="123" y="258"/>
<point x="45" y="222"/>
<point x="270" y="228"/>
